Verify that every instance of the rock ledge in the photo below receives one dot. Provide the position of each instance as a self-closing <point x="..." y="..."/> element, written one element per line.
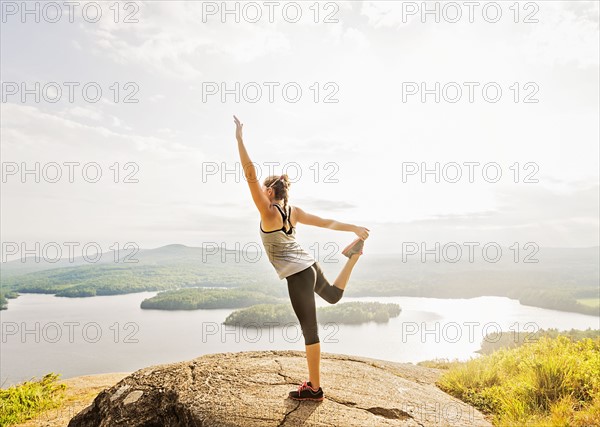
<point x="249" y="389"/>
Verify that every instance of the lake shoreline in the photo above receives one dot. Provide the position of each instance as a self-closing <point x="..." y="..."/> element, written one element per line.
<point x="129" y="338"/>
<point x="596" y="310"/>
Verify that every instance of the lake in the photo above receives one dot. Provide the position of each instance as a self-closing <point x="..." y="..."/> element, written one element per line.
<point x="81" y="336"/>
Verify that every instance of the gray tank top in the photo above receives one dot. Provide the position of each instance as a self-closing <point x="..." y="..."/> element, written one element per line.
<point x="284" y="252"/>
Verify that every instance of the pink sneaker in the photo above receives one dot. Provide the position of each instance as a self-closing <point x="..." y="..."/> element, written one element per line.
<point x="307" y="392"/>
<point x="355" y="247"/>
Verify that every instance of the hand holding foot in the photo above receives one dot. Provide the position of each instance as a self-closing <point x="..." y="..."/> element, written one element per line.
<point x="362" y="232"/>
<point x="354" y="248"/>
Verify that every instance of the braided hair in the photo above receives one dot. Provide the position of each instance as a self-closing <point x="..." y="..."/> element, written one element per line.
<point x="280" y="184"/>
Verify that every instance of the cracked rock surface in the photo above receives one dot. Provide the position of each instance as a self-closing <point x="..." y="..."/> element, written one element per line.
<point x="250" y="389"/>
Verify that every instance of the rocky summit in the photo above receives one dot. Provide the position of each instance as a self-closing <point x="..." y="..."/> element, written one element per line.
<point x="249" y="389"/>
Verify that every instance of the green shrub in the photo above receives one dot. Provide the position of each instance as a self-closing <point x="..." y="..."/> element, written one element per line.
<point x="554" y="381"/>
<point x="23" y="401"/>
<point x="439" y="363"/>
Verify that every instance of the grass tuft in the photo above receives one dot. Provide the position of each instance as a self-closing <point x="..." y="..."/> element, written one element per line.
<point x="24" y="401"/>
<point x="553" y="381"/>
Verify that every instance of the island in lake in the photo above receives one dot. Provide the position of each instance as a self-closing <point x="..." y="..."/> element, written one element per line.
<point x="199" y="298"/>
<point x="265" y="315"/>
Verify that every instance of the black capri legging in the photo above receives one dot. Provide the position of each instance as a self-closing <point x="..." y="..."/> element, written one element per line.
<point x="302" y="287"/>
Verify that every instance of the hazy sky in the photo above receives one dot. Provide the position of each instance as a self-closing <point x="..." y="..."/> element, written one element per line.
<point x="375" y="55"/>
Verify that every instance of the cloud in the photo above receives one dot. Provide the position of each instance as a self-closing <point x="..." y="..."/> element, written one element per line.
<point x="386" y="13"/>
<point x="324" y="204"/>
<point x="156" y="98"/>
<point x="27" y="126"/>
<point x="469" y="219"/>
<point x="537" y="203"/>
<point x="538" y="214"/>
<point x="161" y="169"/>
<point x="81" y="112"/>
<point x="567" y="32"/>
<point x="357" y="37"/>
<point x="351" y="36"/>
<point x="171" y="39"/>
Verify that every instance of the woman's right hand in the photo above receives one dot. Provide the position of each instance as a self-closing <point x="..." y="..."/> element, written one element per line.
<point x="238" y="128"/>
<point x="362" y="232"/>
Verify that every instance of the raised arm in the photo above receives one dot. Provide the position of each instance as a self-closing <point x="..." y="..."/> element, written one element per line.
<point x="260" y="199"/>
<point x="310" y="219"/>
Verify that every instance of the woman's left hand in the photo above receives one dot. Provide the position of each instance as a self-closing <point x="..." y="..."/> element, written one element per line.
<point x="362" y="232"/>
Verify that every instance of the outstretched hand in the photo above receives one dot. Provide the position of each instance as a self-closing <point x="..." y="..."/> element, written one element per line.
<point x="362" y="232"/>
<point x="238" y="128"/>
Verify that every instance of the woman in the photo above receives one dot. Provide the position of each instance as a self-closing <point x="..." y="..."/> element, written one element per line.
<point x="302" y="272"/>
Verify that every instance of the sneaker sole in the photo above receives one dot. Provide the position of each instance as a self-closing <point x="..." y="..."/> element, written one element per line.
<point x="306" y="398"/>
<point x="350" y="246"/>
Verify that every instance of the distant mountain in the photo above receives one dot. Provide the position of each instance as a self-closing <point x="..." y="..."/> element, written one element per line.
<point x="167" y="267"/>
<point x="161" y="255"/>
<point x="560" y="278"/>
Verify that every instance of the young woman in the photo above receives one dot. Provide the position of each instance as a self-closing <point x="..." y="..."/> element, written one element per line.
<point x="302" y="272"/>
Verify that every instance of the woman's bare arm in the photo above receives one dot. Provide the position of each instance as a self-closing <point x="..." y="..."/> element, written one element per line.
<point x="310" y="219"/>
<point x="260" y="199"/>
